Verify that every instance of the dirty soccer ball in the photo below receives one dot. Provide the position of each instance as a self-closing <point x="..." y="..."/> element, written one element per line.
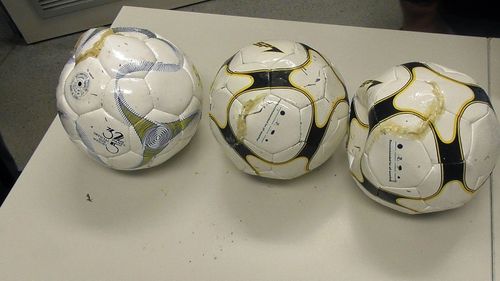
<point x="278" y="108"/>
<point x="423" y="138"/>
<point x="128" y="97"/>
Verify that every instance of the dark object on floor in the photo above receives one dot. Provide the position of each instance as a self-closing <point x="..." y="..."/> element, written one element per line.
<point x="8" y="171"/>
<point x="478" y="18"/>
<point x="424" y="16"/>
<point x="475" y="18"/>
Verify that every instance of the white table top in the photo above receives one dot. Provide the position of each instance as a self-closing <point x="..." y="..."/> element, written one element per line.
<point x="198" y="218"/>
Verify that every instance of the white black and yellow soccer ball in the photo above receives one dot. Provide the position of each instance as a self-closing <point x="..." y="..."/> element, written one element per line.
<point x="128" y="97"/>
<point x="278" y="108"/>
<point x="423" y="138"/>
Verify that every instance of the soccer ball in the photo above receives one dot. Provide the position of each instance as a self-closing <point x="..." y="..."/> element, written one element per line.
<point x="278" y="108"/>
<point x="128" y="97"/>
<point x="423" y="138"/>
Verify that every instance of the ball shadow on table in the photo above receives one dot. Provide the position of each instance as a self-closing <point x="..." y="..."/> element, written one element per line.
<point x="413" y="246"/>
<point x="285" y="211"/>
<point x="113" y="201"/>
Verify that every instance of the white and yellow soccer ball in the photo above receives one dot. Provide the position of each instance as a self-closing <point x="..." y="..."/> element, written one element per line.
<point x="278" y="108"/>
<point x="128" y="97"/>
<point x="423" y="138"/>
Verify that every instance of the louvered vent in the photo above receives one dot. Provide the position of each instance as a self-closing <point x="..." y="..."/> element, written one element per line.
<point x="52" y="8"/>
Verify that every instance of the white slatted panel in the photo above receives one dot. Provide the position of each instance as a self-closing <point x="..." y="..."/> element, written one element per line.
<point x="51" y="8"/>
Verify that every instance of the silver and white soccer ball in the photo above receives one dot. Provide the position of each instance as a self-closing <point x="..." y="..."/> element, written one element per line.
<point x="128" y="97"/>
<point x="278" y="108"/>
<point x="423" y="138"/>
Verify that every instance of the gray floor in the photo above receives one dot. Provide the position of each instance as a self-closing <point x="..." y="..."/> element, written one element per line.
<point x="29" y="73"/>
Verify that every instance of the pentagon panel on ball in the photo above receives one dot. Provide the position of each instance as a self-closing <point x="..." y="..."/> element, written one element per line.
<point x="423" y="138"/>
<point x="278" y="108"/>
<point x="128" y="97"/>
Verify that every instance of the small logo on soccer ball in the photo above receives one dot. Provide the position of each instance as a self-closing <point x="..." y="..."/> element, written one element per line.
<point x="112" y="140"/>
<point x="79" y="85"/>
